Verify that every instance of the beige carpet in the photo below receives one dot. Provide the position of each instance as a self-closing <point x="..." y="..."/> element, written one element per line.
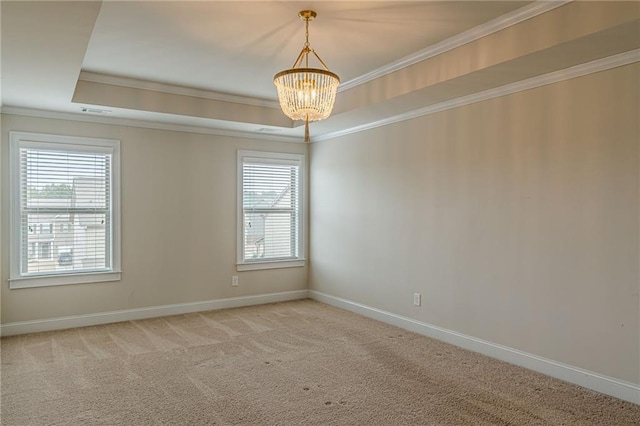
<point x="293" y="363"/>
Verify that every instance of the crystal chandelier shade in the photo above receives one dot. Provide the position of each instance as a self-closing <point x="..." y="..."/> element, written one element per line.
<point x="306" y="93"/>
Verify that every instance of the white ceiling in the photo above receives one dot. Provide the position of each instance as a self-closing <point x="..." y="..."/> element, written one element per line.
<point x="237" y="47"/>
<point x="209" y="64"/>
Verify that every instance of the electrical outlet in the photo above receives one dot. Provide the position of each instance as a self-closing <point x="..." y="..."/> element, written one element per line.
<point x="417" y="299"/>
<point x="234" y="281"/>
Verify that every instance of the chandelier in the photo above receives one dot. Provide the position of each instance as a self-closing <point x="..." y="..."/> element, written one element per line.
<point x="306" y="93"/>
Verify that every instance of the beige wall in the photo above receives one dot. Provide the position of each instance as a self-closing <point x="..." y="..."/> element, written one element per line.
<point x="178" y="224"/>
<point x="517" y="220"/>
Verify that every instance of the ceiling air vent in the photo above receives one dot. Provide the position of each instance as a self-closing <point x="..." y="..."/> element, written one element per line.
<point x="268" y="130"/>
<point x="95" y="110"/>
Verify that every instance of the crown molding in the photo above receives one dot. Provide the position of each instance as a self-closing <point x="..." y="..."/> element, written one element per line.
<point x="175" y="90"/>
<point x="146" y="124"/>
<point x="509" y="19"/>
<point x="598" y="65"/>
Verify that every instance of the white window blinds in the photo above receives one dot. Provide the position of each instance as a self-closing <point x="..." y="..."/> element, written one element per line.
<point x="64" y="219"/>
<point x="271" y="207"/>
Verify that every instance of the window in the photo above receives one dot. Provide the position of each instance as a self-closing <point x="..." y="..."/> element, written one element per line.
<point x="45" y="250"/>
<point x="72" y="182"/>
<point x="270" y="200"/>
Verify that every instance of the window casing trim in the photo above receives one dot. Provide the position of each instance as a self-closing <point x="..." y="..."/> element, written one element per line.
<point x="18" y="140"/>
<point x="265" y="157"/>
<point x="271" y="264"/>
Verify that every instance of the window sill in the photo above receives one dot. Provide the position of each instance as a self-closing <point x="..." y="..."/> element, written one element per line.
<point x="273" y="264"/>
<point x="63" y="279"/>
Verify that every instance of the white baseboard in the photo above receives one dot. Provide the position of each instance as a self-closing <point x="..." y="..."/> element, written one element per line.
<point x="608" y="385"/>
<point x="61" y="323"/>
<point x="600" y="383"/>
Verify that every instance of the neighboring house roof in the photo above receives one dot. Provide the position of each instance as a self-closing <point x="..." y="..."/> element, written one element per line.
<point x="86" y="193"/>
<point x="265" y="200"/>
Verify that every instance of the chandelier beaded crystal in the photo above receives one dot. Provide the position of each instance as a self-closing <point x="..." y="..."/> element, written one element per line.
<point x="306" y="93"/>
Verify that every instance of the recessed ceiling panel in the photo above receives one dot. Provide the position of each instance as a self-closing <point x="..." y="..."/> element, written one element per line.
<point x="236" y="47"/>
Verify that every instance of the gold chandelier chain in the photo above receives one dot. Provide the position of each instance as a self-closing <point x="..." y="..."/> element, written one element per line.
<point x="306" y="43"/>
